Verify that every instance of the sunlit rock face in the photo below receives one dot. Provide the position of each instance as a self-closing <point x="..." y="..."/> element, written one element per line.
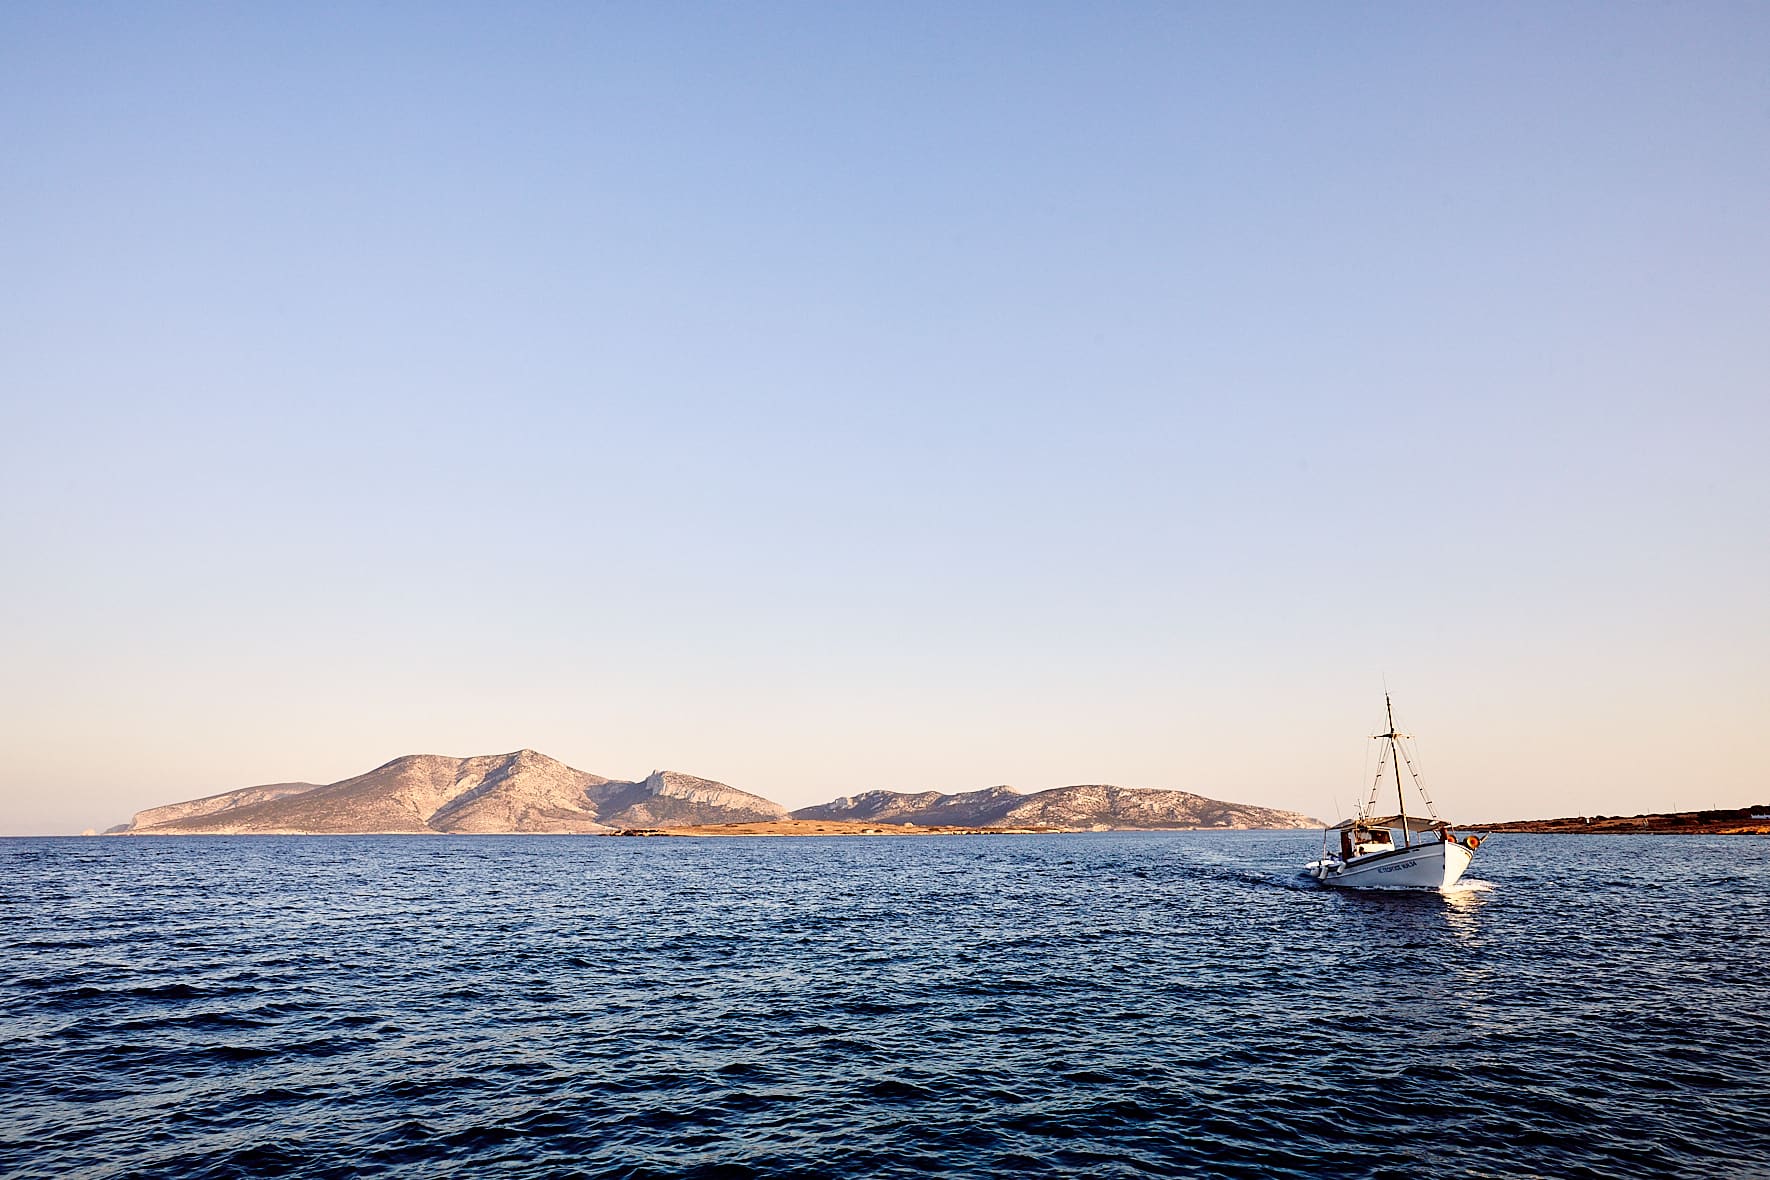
<point x="213" y="805"/>
<point x="520" y="792"/>
<point x="987" y="806"/>
<point x="1061" y="807"/>
<point x="668" y="799"/>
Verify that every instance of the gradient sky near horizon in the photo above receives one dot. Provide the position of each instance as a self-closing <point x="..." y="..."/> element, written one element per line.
<point x="823" y="398"/>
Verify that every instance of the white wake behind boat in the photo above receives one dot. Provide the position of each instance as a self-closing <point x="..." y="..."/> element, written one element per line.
<point x="1399" y="851"/>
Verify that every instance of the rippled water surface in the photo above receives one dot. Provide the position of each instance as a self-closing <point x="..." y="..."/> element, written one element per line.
<point x="1113" y="1005"/>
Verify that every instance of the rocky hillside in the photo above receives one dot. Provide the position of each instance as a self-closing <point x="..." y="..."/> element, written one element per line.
<point x="214" y="804"/>
<point x="530" y="792"/>
<point x="671" y="800"/>
<point x="520" y="792"/>
<point x="970" y="808"/>
<point x="1085" y="807"/>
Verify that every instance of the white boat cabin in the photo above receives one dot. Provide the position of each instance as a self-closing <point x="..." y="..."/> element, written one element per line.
<point x="1374" y="834"/>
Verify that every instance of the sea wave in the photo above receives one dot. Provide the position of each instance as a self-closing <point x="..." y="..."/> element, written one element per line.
<point x="1160" y="1004"/>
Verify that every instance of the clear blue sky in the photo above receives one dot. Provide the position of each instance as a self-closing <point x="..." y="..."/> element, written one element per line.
<point x="832" y="397"/>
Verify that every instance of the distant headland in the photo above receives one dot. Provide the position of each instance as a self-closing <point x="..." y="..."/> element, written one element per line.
<point x="528" y="792"/>
<point x="1739" y="821"/>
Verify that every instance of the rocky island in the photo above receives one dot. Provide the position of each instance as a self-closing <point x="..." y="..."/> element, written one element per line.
<point x="1098" y="808"/>
<point x="528" y="792"/>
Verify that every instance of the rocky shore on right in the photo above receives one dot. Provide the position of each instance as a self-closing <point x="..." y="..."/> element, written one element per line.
<point x="1738" y="821"/>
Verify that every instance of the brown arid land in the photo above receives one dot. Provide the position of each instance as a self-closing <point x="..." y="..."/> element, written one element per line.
<point x="808" y="827"/>
<point x="1741" y="821"/>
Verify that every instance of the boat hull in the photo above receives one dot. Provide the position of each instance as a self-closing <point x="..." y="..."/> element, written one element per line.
<point x="1424" y="866"/>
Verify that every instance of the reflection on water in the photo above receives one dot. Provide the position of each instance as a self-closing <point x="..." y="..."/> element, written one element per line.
<point x="1462" y="908"/>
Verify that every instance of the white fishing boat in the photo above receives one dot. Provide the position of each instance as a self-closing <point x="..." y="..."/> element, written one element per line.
<point x="1398" y="851"/>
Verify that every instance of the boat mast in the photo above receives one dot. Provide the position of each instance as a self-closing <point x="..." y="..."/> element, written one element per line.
<point x="1395" y="757"/>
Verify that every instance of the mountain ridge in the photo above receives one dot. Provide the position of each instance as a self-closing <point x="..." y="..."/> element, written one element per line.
<point x="526" y="791"/>
<point x="1089" y="806"/>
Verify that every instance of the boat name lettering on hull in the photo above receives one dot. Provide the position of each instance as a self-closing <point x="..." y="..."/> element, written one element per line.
<point x="1397" y="868"/>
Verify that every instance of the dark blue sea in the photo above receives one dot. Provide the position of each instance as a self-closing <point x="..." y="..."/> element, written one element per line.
<point x="1114" y="1005"/>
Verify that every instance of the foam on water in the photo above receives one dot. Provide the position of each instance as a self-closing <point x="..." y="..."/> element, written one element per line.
<point x="1111" y="1005"/>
